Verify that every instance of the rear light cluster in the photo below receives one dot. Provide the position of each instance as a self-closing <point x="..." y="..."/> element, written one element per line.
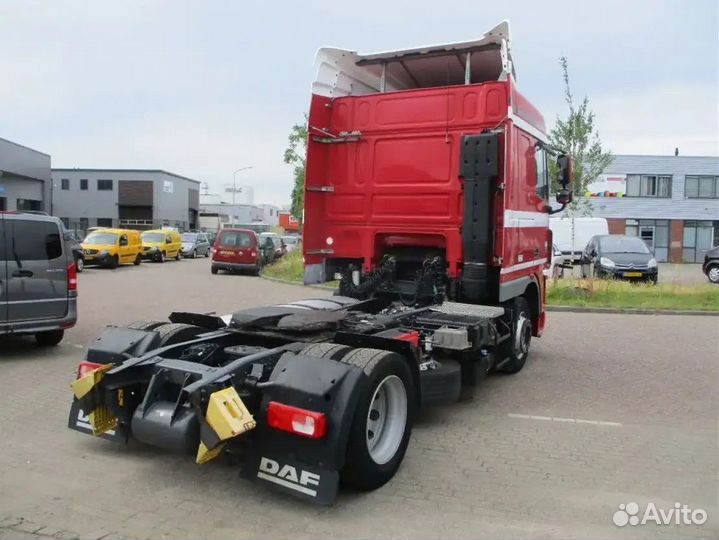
<point x="302" y="422"/>
<point x="412" y="337"/>
<point x="84" y="368"/>
<point x="71" y="277"/>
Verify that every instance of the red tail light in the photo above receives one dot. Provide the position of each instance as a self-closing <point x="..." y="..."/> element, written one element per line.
<point x="302" y="422"/>
<point x="253" y="254"/>
<point x="86" y="367"/>
<point x="71" y="277"/>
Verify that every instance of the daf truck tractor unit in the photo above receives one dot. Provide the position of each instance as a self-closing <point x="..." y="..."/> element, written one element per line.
<point x="427" y="196"/>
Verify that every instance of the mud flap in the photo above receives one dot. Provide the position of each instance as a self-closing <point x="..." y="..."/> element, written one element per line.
<point x="292" y="477"/>
<point x="79" y="421"/>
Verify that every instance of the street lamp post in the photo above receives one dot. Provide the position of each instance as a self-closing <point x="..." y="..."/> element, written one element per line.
<point x="234" y="182"/>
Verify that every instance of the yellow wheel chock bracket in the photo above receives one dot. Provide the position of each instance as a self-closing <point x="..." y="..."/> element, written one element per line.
<point x="228" y="417"/>
<point x="100" y="418"/>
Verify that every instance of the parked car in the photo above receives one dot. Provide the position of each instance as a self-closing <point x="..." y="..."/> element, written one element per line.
<point x="235" y="250"/>
<point x="161" y="244"/>
<point x="38" y="280"/>
<point x="280" y="249"/>
<point x="194" y="244"/>
<point x="292" y="242"/>
<point x="557" y="266"/>
<point x="75" y="248"/>
<point x="619" y="256"/>
<point x="112" y="247"/>
<point x="571" y="235"/>
<point x="711" y="265"/>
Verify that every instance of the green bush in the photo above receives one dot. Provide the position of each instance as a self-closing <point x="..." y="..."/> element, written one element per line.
<point x="290" y="267"/>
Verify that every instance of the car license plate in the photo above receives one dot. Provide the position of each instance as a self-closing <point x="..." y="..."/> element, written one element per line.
<point x="228" y="253"/>
<point x="632" y="274"/>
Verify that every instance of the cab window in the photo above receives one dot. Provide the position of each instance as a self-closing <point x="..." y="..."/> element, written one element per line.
<point x="123" y="240"/>
<point x="168" y="240"/>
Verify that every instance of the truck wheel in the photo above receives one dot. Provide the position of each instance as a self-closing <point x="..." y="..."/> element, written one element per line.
<point x="516" y="348"/>
<point x="145" y="325"/>
<point x="161" y="257"/>
<point x="49" y="338"/>
<point x="172" y="333"/>
<point x="382" y="421"/>
<point x="80" y="265"/>
<point x="138" y="260"/>
<point x="114" y="262"/>
<point x="326" y="350"/>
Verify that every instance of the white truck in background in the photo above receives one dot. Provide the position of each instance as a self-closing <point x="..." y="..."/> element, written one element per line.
<point x="571" y="234"/>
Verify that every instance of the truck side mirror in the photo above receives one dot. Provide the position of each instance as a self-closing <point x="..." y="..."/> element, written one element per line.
<point x="565" y="166"/>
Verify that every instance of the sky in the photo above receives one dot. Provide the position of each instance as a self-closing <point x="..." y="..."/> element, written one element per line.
<point x="203" y="88"/>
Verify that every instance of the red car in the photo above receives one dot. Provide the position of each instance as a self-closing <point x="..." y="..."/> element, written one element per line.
<point x="235" y="250"/>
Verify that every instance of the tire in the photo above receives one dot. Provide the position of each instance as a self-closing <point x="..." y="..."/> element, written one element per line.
<point x="193" y="255"/>
<point x="145" y="325"/>
<point x="80" y="265"/>
<point x="49" y="338"/>
<point x="515" y="350"/>
<point x="161" y="257"/>
<point x="214" y="269"/>
<point x="713" y="273"/>
<point x="207" y="253"/>
<point x="171" y="333"/>
<point x="373" y="459"/>
<point x="114" y="262"/>
<point x="326" y="350"/>
<point x="138" y="260"/>
<point x="179" y="255"/>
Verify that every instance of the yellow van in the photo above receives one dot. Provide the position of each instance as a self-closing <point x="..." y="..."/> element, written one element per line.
<point x="112" y="247"/>
<point x="161" y="244"/>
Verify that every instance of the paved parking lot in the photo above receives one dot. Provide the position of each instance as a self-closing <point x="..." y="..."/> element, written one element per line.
<point x="610" y="409"/>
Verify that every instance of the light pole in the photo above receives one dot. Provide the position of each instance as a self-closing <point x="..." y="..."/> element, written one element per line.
<point x="234" y="180"/>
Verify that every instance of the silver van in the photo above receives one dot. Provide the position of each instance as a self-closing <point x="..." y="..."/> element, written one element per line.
<point x="38" y="279"/>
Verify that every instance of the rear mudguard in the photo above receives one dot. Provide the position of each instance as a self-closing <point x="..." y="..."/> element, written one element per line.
<point x="303" y="467"/>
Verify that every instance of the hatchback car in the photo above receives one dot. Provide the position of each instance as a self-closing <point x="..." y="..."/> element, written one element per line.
<point x="236" y="250"/>
<point x="619" y="256"/>
<point x="280" y="249"/>
<point x="292" y="242"/>
<point x="711" y="265"/>
<point x="194" y="244"/>
<point x="38" y="279"/>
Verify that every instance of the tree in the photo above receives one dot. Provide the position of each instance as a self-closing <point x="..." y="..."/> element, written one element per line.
<point x="296" y="155"/>
<point x="577" y="136"/>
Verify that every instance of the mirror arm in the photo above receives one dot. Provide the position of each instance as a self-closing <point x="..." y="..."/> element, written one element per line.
<point x="552" y="211"/>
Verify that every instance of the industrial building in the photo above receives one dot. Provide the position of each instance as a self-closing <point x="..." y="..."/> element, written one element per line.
<point x="671" y="202"/>
<point x="24" y="178"/>
<point x="133" y="198"/>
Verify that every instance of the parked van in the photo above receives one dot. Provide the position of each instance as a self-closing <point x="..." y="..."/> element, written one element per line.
<point x="161" y="244"/>
<point x="112" y="247"/>
<point x="38" y="280"/>
<point x="571" y="235"/>
<point x="236" y="249"/>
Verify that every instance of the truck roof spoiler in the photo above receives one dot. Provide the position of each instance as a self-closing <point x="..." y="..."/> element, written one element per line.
<point x="339" y="72"/>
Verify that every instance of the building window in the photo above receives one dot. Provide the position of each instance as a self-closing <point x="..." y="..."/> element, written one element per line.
<point x="649" y="185"/>
<point x="701" y="187"/>
<point x="65" y="184"/>
<point x="104" y="185"/>
<point x="654" y="232"/>
<point x="104" y="222"/>
<point x="83" y="184"/>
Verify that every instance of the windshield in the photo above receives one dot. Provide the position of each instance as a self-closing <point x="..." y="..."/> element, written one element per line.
<point x="623" y="244"/>
<point x="189" y="237"/>
<point x="153" y="237"/>
<point x="100" y="238"/>
<point x="235" y="239"/>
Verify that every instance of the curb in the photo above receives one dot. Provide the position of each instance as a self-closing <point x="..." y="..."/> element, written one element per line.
<point x="566" y="309"/>
<point x="630" y="311"/>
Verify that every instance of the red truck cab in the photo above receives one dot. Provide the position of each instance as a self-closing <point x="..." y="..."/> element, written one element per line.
<point x="429" y="154"/>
